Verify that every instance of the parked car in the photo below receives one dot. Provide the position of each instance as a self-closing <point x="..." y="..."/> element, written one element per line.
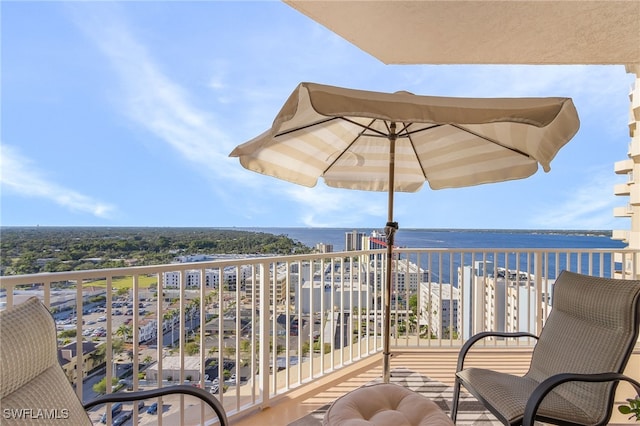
<point x="115" y="409"/>
<point x="122" y="418"/>
<point x="153" y="408"/>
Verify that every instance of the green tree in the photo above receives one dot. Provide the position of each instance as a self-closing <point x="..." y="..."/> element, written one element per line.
<point x="245" y="346"/>
<point x="101" y="386"/>
<point x="327" y="347"/>
<point x="26" y="264"/>
<point x="125" y="331"/>
<point x="192" y="348"/>
<point x="67" y="334"/>
<point x="306" y="347"/>
<point x="413" y="304"/>
<point x="97" y="357"/>
<point x="229" y="351"/>
<point x="71" y="248"/>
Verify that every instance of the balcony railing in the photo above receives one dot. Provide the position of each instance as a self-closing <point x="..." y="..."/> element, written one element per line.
<point x="250" y="330"/>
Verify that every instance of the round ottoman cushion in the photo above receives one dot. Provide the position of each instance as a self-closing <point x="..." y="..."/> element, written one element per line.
<point x="384" y="405"/>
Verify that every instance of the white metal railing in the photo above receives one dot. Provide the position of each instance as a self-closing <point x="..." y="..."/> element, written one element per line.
<point x="269" y="325"/>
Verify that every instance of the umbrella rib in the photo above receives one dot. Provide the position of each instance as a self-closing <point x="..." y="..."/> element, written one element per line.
<point x="413" y="147"/>
<point x="286" y="132"/>
<point x="408" y="134"/>
<point x="366" y="127"/>
<point x="402" y="133"/>
<point x="344" y="151"/>
<point x="488" y="139"/>
<point x="378" y="133"/>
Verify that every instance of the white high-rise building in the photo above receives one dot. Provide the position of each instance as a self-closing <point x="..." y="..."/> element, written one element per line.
<point x="354" y="240"/>
<point x="630" y="186"/>
<point x="324" y="248"/>
<point x="438" y="309"/>
<point x="318" y="296"/>
<point x="405" y="276"/>
<point x="496" y="300"/>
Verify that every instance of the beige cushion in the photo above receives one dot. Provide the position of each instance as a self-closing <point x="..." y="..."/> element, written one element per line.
<point x="33" y="387"/>
<point x="384" y="405"/>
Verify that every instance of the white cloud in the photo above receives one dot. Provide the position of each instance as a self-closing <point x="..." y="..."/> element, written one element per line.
<point x="155" y="102"/>
<point x="20" y="176"/>
<point x="218" y="79"/>
<point x="589" y="206"/>
<point x="322" y="206"/>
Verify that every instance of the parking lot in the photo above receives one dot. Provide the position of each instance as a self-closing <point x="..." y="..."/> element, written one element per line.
<point x="124" y="415"/>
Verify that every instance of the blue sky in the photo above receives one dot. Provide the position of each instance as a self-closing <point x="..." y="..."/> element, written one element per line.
<point x="124" y="113"/>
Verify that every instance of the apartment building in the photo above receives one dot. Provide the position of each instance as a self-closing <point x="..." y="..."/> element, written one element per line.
<point x="68" y="358"/>
<point x="406" y="276"/>
<point x="438" y="309"/>
<point x="322" y="296"/>
<point x="231" y="276"/>
<point x="354" y="240"/>
<point x="630" y="187"/>
<point x="496" y="300"/>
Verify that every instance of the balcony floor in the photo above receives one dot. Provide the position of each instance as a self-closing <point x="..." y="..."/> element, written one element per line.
<point x="438" y="364"/>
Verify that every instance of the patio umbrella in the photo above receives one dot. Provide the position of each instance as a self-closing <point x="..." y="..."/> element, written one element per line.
<point x="392" y="142"/>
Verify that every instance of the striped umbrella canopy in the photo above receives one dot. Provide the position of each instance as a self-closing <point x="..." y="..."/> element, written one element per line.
<point x="374" y="141"/>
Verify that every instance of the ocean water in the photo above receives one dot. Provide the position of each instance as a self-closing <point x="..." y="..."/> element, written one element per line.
<point x="441" y="266"/>
<point x="458" y="238"/>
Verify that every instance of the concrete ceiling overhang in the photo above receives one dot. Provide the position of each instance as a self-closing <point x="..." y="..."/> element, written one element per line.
<point x="485" y="31"/>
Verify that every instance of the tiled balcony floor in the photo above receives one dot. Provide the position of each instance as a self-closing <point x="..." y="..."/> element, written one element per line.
<point x="438" y="364"/>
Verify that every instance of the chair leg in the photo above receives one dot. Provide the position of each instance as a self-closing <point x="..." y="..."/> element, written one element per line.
<point x="456" y="397"/>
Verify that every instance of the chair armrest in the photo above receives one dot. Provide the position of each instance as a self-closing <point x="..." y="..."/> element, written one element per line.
<point x="203" y="395"/>
<point x="547" y="386"/>
<point x="482" y="335"/>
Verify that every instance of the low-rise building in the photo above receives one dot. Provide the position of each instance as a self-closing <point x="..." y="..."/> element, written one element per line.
<point x="68" y="359"/>
<point x="172" y="367"/>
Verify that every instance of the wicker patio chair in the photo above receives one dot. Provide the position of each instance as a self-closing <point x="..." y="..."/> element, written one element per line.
<point x="579" y="357"/>
<point x="33" y="385"/>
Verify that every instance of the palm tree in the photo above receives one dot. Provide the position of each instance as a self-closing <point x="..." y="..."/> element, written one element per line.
<point x="125" y="331"/>
<point x="170" y="316"/>
<point x="117" y="345"/>
<point x="229" y="351"/>
<point x="195" y="303"/>
<point x="245" y="346"/>
<point x="97" y="357"/>
<point x="167" y="316"/>
<point x="192" y="348"/>
<point x="413" y="322"/>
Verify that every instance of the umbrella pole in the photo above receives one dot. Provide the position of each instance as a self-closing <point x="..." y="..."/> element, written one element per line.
<point x="389" y="230"/>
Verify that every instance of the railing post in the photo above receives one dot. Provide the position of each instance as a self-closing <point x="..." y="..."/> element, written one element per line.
<point x="539" y="311"/>
<point x="265" y="305"/>
<point x="79" y="351"/>
<point x="159" y="330"/>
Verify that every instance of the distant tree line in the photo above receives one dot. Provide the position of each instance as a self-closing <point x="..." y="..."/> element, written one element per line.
<point x="29" y="250"/>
